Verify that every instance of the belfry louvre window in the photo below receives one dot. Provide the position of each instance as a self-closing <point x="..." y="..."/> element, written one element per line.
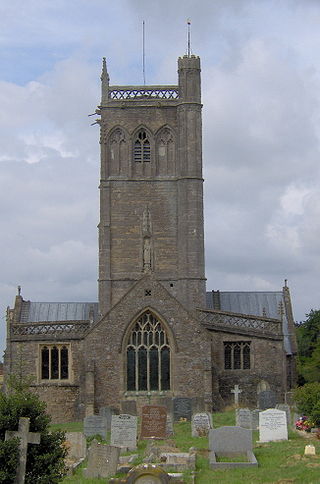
<point x="141" y="147"/>
<point x="54" y="362"/>
<point x="237" y="355"/>
<point x="148" y="356"/>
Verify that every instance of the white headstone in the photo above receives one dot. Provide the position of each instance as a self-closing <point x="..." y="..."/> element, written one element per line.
<point x="124" y="431"/>
<point x="273" y="425"/>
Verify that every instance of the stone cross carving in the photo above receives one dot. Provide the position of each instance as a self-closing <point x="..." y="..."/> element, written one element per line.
<point x="236" y="390"/>
<point x="26" y="438"/>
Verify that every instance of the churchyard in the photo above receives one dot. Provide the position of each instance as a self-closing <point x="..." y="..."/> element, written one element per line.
<point x="278" y="461"/>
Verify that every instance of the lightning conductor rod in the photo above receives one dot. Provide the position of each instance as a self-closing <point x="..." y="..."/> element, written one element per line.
<point x="143" y="54"/>
<point x="189" y="35"/>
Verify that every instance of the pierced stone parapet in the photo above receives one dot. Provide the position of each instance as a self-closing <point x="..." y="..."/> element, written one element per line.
<point x="61" y="329"/>
<point x="143" y="92"/>
<point x="223" y="319"/>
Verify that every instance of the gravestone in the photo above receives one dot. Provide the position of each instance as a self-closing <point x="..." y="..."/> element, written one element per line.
<point x="124" y="431"/>
<point x="26" y="438"/>
<point x="102" y="460"/>
<point x="153" y="422"/>
<point x="236" y="392"/>
<point x="266" y="399"/>
<point x="272" y="425"/>
<point x="107" y="412"/>
<point x="231" y="442"/>
<point x="76" y="445"/>
<point x="95" y="425"/>
<point x="255" y="418"/>
<point x="182" y="408"/>
<point x="201" y="424"/>
<point x="285" y="408"/>
<point x="170" y="430"/>
<point x="244" y="418"/>
<point x="129" y="407"/>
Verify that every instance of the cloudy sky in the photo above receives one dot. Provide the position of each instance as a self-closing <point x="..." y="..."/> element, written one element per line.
<point x="261" y="120"/>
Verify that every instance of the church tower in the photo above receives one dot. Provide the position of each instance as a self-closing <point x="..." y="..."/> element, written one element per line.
<point x="151" y="188"/>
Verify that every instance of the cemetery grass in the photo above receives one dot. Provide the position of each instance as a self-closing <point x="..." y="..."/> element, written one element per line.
<point x="279" y="462"/>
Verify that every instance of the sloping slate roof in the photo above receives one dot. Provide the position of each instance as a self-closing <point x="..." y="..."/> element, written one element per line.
<point x="254" y="303"/>
<point x="35" y="312"/>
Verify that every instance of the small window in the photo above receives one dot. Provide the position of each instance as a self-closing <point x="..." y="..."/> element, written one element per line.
<point x="237" y="355"/>
<point x="54" y="362"/>
<point x="141" y="147"/>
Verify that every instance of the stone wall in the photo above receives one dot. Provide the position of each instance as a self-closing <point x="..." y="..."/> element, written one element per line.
<point x="267" y="365"/>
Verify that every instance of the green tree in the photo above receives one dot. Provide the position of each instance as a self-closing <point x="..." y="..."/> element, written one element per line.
<point x="307" y="399"/>
<point x="308" y="338"/>
<point x="45" y="462"/>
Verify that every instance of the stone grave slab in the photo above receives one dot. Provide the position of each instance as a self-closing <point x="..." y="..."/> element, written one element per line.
<point x="170" y="430"/>
<point x="266" y="399"/>
<point x="182" y="408"/>
<point x="107" y="412"/>
<point x="102" y="460"/>
<point x="145" y="474"/>
<point x="95" y="425"/>
<point x="124" y="431"/>
<point x="178" y="461"/>
<point x="201" y="424"/>
<point x="153" y="422"/>
<point x="255" y="418"/>
<point x="76" y="444"/>
<point x="285" y="408"/>
<point x="244" y="418"/>
<point x="273" y="425"/>
<point x="231" y="442"/>
<point x="129" y="407"/>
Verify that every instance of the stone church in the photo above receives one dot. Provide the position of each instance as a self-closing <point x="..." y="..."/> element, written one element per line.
<point x="155" y="333"/>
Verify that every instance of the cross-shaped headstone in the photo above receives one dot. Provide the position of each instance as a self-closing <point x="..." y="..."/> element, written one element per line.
<point x="26" y="438"/>
<point x="236" y="390"/>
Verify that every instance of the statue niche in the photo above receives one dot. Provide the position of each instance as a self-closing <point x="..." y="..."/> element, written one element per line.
<point x="118" y="152"/>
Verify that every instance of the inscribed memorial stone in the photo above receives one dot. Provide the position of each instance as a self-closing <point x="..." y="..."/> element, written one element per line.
<point x="153" y="422"/>
<point x="201" y="424"/>
<point x="266" y="399"/>
<point x="182" y="408"/>
<point x="107" y="412"/>
<point x="244" y="418"/>
<point x="76" y="444"/>
<point x="285" y="408"/>
<point x="95" y="425"/>
<point x="272" y="425"/>
<point x="102" y="460"/>
<point x="124" y="431"/>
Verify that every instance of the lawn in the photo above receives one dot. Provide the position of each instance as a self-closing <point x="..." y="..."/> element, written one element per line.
<point x="279" y="462"/>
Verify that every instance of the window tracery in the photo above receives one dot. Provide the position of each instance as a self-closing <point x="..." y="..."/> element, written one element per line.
<point x="148" y="355"/>
<point x="54" y="362"/>
<point x="237" y="355"/>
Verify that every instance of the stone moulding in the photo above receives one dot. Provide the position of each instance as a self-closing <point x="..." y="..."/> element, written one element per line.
<point x="219" y="319"/>
<point x="76" y="328"/>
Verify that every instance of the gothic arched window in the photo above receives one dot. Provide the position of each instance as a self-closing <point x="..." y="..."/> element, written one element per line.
<point x="141" y="147"/>
<point x="148" y="355"/>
